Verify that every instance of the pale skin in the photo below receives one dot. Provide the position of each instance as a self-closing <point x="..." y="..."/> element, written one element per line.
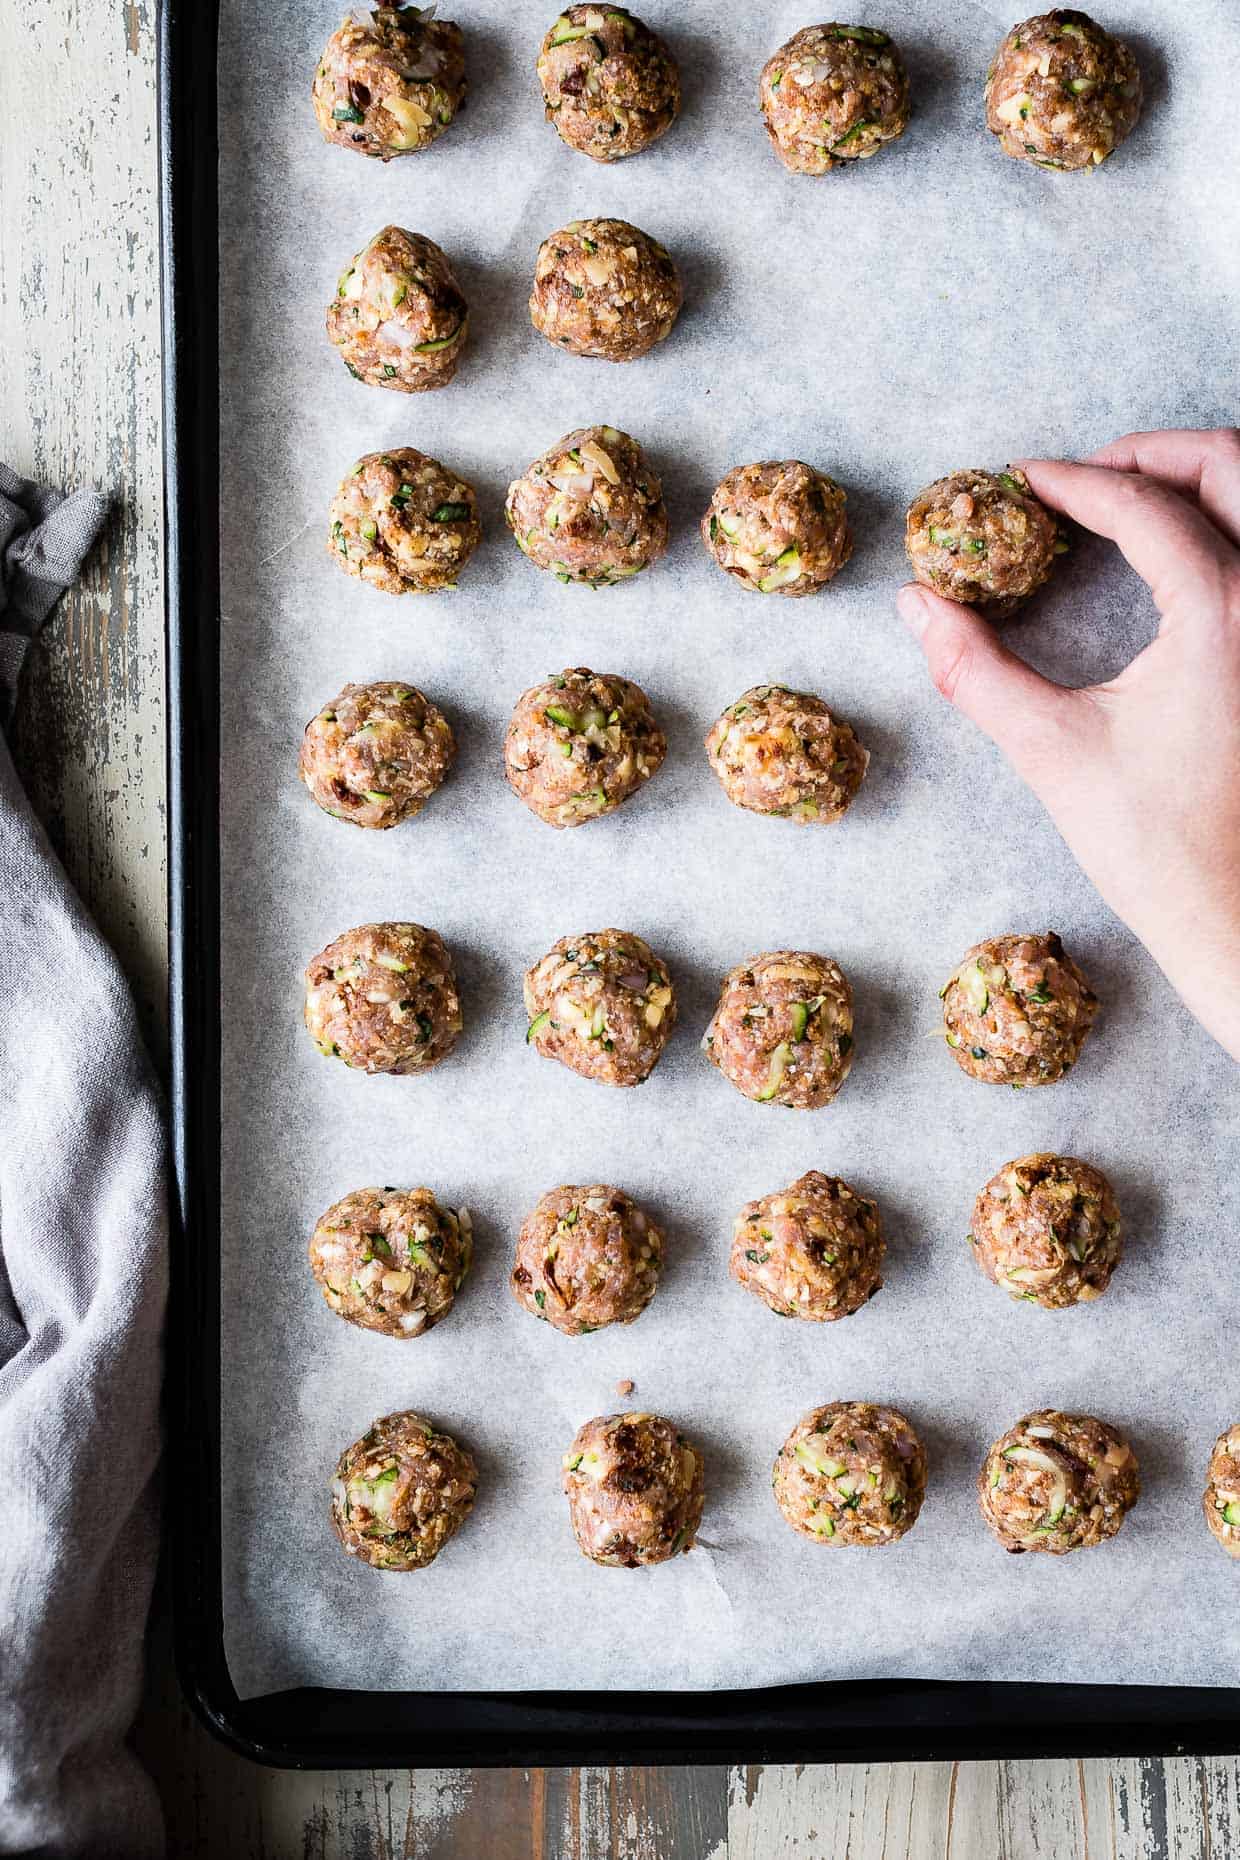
<point x="1141" y="775"/>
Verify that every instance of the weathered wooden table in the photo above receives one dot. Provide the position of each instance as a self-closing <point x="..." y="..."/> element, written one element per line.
<point x="79" y="367"/>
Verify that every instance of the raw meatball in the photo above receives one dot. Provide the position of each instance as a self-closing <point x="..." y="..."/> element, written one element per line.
<point x="1046" y="1228"/>
<point x="814" y="1250"/>
<point x="602" y="1004"/>
<point x="603" y="288"/>
<point x="778" y="528"/>
<point x="1057" y="1482"/>
<point x="383" y="998"/>
<point x="982" y="538"/>
<point x="587" y="1257"/>
<point x="833" y="94"/>
<point x="635" y="1490"/>
<point x="851" y="1474"/>
<point x="1062" y="92"/>
<point x="391" y="1259"/>
<point x="580" y="744"/>
<point x="782" y="1033"/>
<point x="1221" y="1499"/>
<point x="376" y="754"/>
<point x="398" y="317"/>
<point x="591" y="510"/>
<point x="778" y="751"/>
<point x="404" y="523"/>
<point x="390" y="84"/>
<point x="609" y="84"/>
<point x="401" y="1492"/>
<point x="1017" y="1011"/>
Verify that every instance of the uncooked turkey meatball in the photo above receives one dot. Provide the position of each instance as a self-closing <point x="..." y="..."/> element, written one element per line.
<point x="404" y="523"/>
<point x="590" y="510"/>
<point x="391" y="1259"/>
<point x="782" y="1033"/>
<point x="602" y="1004"/>
<point x="603" y="288"/>
<point x="778" y="751"/>
<point x="814" y="1250"/>
<point x="388" y="84"/>
<point x="1062" y="92"/>
<point x="779" y="528"/>
<point x="635" y="1490"/>
<point x="398" y="317"/>
<point x="376" y="753"/>
<point x="1046" y="1228"/>
<point x="401" y="1492"/>
<point x="1057" y="1482"/>
<point x="587" y="1257"/>
<point x="851" y="1474"/>
<point x="1017" y="1011"/>
<point x="982" y="538"/>
<point x="383" y="998"/>
<point x="833" y="94"/>
<point x="609" y="84"/>
<point x="1221" y="1499"/>
<point x="581" y="743"/>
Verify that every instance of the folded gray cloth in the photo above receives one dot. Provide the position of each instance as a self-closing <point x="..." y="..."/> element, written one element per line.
<point x="83" y="1270"/>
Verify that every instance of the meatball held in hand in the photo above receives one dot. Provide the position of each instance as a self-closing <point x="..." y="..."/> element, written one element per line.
<point x="391" y="1259"/>
<point x="851" y="1474"/>
<point x="1017" y="1011"/>
<point x="814" y="1250"/>
<point x="404" y="523"/>
<point x="635" y="1490"/>
<point x="590" y="510"/>
<point x="587" y="1257"/>
<point x="1062" y="93"/>
<point x="401" y="1492"/>
<point x="833" y="94"/>
<point x="778" y="528"/>
<point x="383" y="998"/>
<point x="1057" y="1482"/>
<point x="389" y="83"/>
<point x="602" y="1004"/>
<point x="609" y="84"/>
<point x="398" y="317"/>
<point x="581" y="743"/>
<point x="604" y="289"/>
<point x="982" y="538"/>
<point x="376" y="754"/>
<point x="782" y="752"/>
<point x="782" y="1032"/>
<point x="1221" y="1499"/>
<point x="1047" y="1229"/>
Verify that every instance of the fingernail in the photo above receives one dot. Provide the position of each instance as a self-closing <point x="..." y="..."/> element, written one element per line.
<point x="911" y="604"/>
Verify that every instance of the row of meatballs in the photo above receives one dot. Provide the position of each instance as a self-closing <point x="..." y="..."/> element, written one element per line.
<point x="383" y="998"/>
<point x="590" y="511"/>
<point x="1060" y="91"/>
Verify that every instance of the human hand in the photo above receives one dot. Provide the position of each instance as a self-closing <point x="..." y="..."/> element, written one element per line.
<point x="1142" y="774"/>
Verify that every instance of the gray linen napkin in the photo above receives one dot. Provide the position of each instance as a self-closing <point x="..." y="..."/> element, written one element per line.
<point x="83" y="1270"/>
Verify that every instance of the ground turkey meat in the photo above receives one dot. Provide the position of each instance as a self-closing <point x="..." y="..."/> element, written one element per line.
<point x="603" y="288"/>
<point x="814" y="1250"/>
<point x="1057" y="1482"/>
<point x="590" y="510"/>
<point x="391" y="1259"/>
<point x="609" y="84"/>
<point x="376" y="753"/>
<point x="833" y="94"/>
<point x="383" y="998"/>
<point x="401" y="1492"/>
<point x="389" y="84"/>
<point x="602" y="1004"/>
<point x="587" y="1257"/>
<point x="778" y="751"/>
<point x="1221" y="1499"/>
<point x="1046" y="1228"/>
<point x="635" y="1490"/>
<point x="404" y="523"/>
<point x="779" y="528"/>
<point x="851" y="1474"/>
<point x="782" y="1033"/>
<point x="1017" y="1011"/>
<point x="1062" y="92"/>
<point x="398" y="317"/>
<point x="982" y="538"/>
<point x="581" y="743"/>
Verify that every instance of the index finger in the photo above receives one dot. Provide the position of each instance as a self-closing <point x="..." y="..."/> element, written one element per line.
<point x="1204" y="465"/>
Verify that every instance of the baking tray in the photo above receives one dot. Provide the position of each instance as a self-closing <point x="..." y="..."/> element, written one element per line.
<point x="314" y="1727"/>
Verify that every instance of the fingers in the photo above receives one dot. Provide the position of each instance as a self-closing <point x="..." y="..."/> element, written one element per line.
<point x="1203" y="465"/>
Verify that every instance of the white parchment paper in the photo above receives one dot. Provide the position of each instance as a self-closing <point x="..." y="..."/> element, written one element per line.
<point x="938" y="306"/>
